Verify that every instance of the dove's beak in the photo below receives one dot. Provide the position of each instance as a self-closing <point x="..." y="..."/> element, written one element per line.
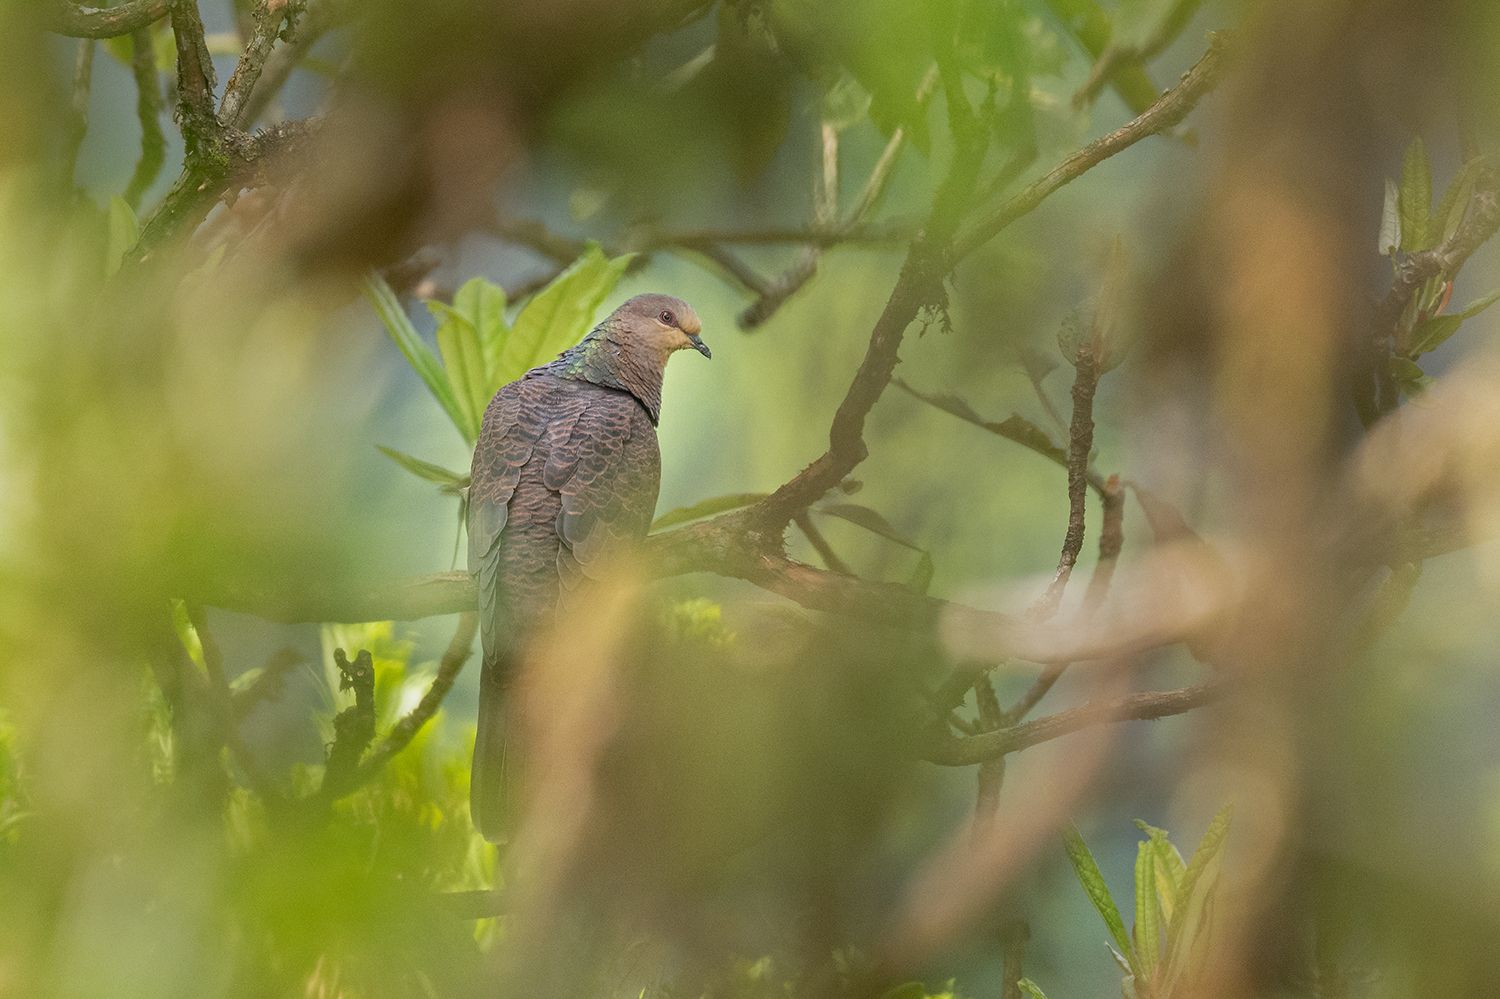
<point x="699" y="345"/>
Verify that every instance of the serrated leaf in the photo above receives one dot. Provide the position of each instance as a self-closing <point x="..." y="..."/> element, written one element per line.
<point x="1032" y="990"/>
<point x="1147" y="928"/>
<point x="1197" y="886"/>
<point x="559" y="315"/>
<point x="1455" y="201"/>
<point x="1390" y="219"/>
<point x="1429" y="333"/>
<point x="1086" y="869"/>
<point x="705" y="508"/>
<point x="1416" y="198"/>
<point x="124" y="231"/>
<point x="450" y="481"/>
<point x="1170" y="868"/>
<point x="405" y="336"/>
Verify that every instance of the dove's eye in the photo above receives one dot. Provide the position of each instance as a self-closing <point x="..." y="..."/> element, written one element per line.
<point x="668" y="318"/>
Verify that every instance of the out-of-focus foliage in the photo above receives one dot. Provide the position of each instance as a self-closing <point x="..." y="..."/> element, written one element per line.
<point x="1284" y="550"/>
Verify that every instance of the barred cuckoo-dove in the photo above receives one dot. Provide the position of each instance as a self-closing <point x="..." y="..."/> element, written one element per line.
<point x="565" y="470"/>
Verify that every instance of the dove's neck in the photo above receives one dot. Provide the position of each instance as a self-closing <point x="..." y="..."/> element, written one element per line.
<point x="606" y="357"/>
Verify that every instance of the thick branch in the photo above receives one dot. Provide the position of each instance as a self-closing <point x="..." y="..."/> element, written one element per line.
<point x="94" y="22"/>
<point x="967" y="751"/>
<point x="195" y="88"/>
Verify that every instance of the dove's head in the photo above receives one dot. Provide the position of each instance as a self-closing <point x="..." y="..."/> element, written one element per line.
<point x="660" y="322"/>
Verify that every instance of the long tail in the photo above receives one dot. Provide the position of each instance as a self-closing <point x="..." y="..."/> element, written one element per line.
<point x="492" y="779"/>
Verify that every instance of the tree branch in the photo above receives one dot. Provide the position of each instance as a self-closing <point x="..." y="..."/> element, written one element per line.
<point x="200" y="126"/>
<point x="270" y="15"/>
<point x="1080" y="443"/>
<point x="1111" y="540"/>
<point x="1114" y="58"/>
<point x="953" y="751"/>
<point x="1014" y="428"/>
<point x="148" y="104"/>
<point x="353" y="728"/>
<point x="1169" y="110"/>
<point x="94" y="22"/>
<point x="402" y="733"/>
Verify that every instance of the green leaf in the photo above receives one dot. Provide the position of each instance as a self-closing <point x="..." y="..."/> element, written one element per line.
<point x="1032" y="990"/>
<point x="1197" y="887"/>
<point x="871" y="521"/>
<point x="463" y="360"/>
<point x="1403" y="369"/>
<point x="705" y="508"/>
<point x="1087" y="871"/>
<point x="124" y="230"/>
<point x="450" y="481"/>
<point x="906" y="990"/>
<point x="1147" y="926"/>
<point x="415" y="351"/>
<point x="559" y="315"/>
<point x="187" y="634"/>
<point x="482" y="304"/>
<point x="1477" y="306"/>
<point x="1416" y="198"/>
<point x="1169" y="868"/>
<point x="1390" y="220"/>
<point x="1455" y="202"/>
<point x="1428" y="334"/>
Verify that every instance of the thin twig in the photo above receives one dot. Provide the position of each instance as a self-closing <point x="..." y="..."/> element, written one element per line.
<point x="826" y="211"/>
<point x="1111" y="540"/>
<point x="268" y="24"/>
<point x="353" y="728"/>
<point x="1014" y="428"/>
<point x="1080" y="443"/>
<point x="1169" y="110"/>
<point x="1116" y="57"/>
<point x="401" y="733"/>
<point x="969" y="750"/>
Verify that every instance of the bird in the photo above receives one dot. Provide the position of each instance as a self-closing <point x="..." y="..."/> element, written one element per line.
<point x="565" y="471"/>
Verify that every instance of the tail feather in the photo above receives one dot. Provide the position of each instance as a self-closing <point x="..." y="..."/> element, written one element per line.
<point x="491" y="780"/>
